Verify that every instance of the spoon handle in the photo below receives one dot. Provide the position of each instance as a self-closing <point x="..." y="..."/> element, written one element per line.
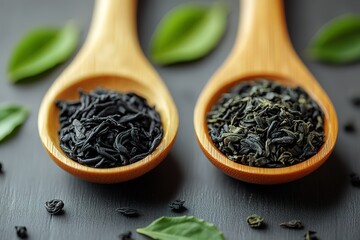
<point x="262" y="26"/>
<point x="263" y="35"/>
<point x="112" y="46"/>
<point x="113" y="27"/>
<point x="263" y="47"/>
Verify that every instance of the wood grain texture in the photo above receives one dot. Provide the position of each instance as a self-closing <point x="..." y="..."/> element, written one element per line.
<point x="263" y="50"/>
<point x="324" y="200"/>
<point x="111" y="58"/>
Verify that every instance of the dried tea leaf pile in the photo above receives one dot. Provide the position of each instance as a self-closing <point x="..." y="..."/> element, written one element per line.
<point x="264" y="124"/>
<point x="108" y="129"/>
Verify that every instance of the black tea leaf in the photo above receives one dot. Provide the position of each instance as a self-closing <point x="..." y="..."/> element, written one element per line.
<point x="355" y="179"/>
<point x="294" y="224"/>
<point x="21" y="232"/>
<point x="177" y="206"/>
<point x="356" y="101"/>
<point x="349" y="127"/>
<point x="126" y="236"/>
<point x="261" y="123"/>
<point x="255" y="221"/>
<point x="54" y="206"/>
<point x="107" y="129"/>
<point x="0" y="167"/>
<point x="129" y="212"/>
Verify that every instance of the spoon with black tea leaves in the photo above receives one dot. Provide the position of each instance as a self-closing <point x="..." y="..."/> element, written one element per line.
<point x="111" y="58"/>
<point x="263" y="50"/>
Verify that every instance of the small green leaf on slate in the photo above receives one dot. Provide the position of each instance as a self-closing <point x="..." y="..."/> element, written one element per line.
<point x="188" y="32"/>
<point x="11" y="117"/>
<point x="294" y="224"/>
<point x="255" y="221"/>
<point x="338" y="42"/>
<point x="310" y="235"/>
<point x="184" y="228"/>
<point x="40" y="50"/>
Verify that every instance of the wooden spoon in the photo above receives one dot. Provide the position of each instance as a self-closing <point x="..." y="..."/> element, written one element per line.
<point x="111" y="58"/>
<point x="263" y="50"/>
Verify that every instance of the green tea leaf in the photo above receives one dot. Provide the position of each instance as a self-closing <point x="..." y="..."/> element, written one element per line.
<point x="40" y="50"/>
<point x="181" y="228"/>
<point x="188" y="32"/>
<point x="338" y="41"/>
<point x="11" y="117"/>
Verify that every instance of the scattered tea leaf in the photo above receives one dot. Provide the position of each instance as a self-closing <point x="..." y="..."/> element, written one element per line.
<point x="294" y="224"/>
<point x="129" y="212"/>
<point x="0" y="167"/>
<point x="187" y="33"/>
<point x="185" y="228"/>
<point x="11" y="117"/>
<point x="310" y="235"/>
<point x="54" y="206"/>
<point x="355" y="179"/>
<point x="338" y="41"/>
<point x="21" y="232"/>
<point x="126" y="236"/>
<point x="40" y="50"/>
<point x="356" y="101"/>
<point x="349" y="127"/>
<point x="177" y="206"/>
<point x="255" y="221"/>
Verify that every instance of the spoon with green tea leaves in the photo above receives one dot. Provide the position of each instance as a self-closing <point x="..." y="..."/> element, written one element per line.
<point x="100" y="134"/>
<point x="271" y="117"/>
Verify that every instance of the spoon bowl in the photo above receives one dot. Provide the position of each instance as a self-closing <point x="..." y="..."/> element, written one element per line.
<point x="263" y="50"/>
<point x="111" y="59"/>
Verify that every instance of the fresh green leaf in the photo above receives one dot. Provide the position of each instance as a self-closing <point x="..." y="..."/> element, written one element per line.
<point x="338" y="41"/>
<point x="11" y="117"/>
<point x="188" y="32"/>
<point x="181" y="228"/>
<point x="40" y="50"/>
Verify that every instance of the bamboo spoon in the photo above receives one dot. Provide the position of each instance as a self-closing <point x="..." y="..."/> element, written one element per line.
<point x="111" y="58"/>
<point x="263" y="49"/>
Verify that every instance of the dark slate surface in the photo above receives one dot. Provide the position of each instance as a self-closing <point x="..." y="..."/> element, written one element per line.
<point x="325" y="200"/>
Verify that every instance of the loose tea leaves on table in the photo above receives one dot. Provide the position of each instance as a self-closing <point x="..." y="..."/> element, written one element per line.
<point x="54" y="206"/>
<point x="255" y="221"/>
<point x="126" y="236"/>
<point x="356" y="101"/>
<point x="108" y="129"/>
<point x="355" y="179"/>
<point x="21" y="232"/>
<point x="177" y="206"/>
<point x="264" y="124"/>
<point x="294" y="224"/>
<point x="310" y="235"/>
<point x="129" y="212"/>
<point x="349" y="127"/>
